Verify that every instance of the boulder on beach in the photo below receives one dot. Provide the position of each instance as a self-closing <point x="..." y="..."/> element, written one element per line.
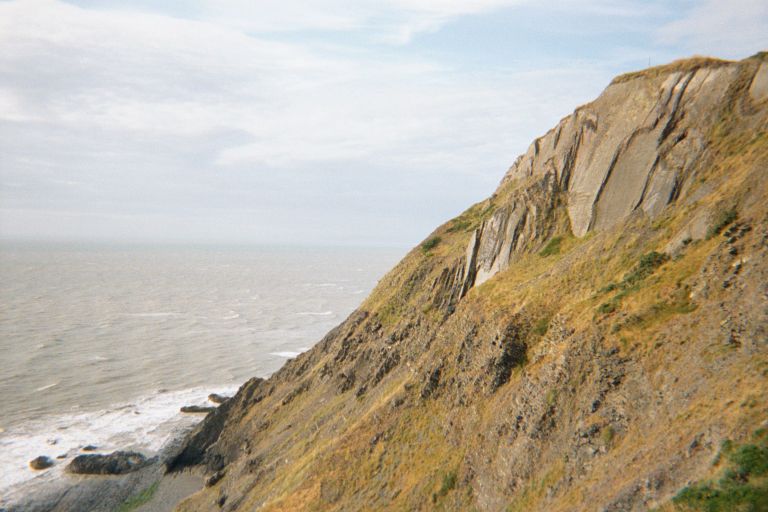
<point x="89" y="448"/>
<point x="197" y="409"/>
<point x="217" y="399"/>
<point x="115" y="463"/>
<point x="41" y="462"/>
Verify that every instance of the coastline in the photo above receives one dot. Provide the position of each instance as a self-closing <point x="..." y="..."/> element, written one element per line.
<point x="149" y="489"/>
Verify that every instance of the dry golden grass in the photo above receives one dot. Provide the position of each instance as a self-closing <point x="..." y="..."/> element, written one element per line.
<point x="426" y="440"/>
<point x="681" y="65"/>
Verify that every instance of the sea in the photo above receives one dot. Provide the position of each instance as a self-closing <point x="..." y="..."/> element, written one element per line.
<point x="101" y="345"/>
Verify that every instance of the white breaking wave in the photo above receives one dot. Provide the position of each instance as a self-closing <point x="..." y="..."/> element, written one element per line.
<point x="120" y="325"/>
<point x="287" y="354"/>
<point x="145" y="424"/>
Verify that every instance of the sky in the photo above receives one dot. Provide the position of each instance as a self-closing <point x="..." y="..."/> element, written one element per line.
<point x="294" y="122"/>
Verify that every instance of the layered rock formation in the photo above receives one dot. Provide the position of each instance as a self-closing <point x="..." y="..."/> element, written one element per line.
<point x="585" y="339"/>
<point x="635" y="148"/>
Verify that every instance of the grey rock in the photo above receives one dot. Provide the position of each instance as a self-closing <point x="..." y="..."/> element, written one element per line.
<point x="197" y="409"/>
<point x="621" y="154"/>
<point x="41" y="462"/>
<point x="217" y="399"/>
<point x="115" y="463"/>
<point x="759" y="88"/>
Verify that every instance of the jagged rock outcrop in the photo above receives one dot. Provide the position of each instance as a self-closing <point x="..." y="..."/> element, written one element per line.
<point x="585" y="339"/>
<point x="635" y="148"/>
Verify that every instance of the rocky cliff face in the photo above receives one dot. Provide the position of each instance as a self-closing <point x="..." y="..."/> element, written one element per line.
<point x="585" y="339"/>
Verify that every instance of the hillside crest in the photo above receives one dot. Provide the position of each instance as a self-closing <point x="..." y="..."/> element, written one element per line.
<point x="605" y="308"/>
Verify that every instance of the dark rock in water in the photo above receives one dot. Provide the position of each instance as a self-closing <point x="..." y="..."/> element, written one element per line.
<point x="193" y="450"/>
<point x="197" y="408"/>
<point x="89" y="448"/>
<point x="41" y="462"/>
<point x="116" y="463"/>
<point x="217" y="399"/>
<point x="62" y="456"/>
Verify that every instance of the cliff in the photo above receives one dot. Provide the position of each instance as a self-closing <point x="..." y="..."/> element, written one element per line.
<point x="594" y="336"/>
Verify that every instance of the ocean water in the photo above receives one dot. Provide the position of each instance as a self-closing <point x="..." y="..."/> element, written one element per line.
<point x="102" y="345"/>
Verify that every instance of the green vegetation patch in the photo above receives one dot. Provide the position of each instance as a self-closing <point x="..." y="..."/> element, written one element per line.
<point x="541" y="326"/>
<point x="742" y="487"/>
<point x="461" y="224"/>
<point x="607" y="308"/>
<point x="552" y="247"/>
<point x="647" y="265"/>
<point x="448" y="484"/>
<point x="607" y="435"/>
<point x="679" y="303"/>
<point x="722" y="221"/>
<point x="472" y="218"/>
<point x="140" y="499"/>
<point x="430" y="244"/>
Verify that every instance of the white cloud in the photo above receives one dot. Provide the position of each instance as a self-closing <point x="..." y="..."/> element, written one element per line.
<point x="155" y="74"/>
<point x="395" y="21"/>
<point x="734" y="29"/>
<point x="154" y="114"/>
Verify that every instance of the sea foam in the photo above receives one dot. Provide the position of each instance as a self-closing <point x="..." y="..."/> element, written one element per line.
<point x="145" y="424"/>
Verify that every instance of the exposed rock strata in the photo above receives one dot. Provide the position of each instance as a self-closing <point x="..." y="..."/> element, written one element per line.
<point x="485" y="373"/>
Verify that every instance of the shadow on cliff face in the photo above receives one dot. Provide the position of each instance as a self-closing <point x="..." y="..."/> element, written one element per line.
<point x="526" y="370"/>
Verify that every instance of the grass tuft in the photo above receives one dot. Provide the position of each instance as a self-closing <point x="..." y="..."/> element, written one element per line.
<point x="682" y="65"/>
<point x="646" y="266"/>
<point x="607" y="308"/>
<point x="430" y="244"/>
<point x="140" y="499"/>
<point x="541" y="326"/>
<point x="448" y="484"/>
<point x="742" y="485"/>
<point x="607" y="434"/>
<point x="553" y="247"/>
<point x="472" y="218"/>
<point x="723" y="220"/>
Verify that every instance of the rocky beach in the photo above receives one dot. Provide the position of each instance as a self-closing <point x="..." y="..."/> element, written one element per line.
<point x="592" y="336"/>
<point x="95" y="480"/>
<point x="374" y="256"/>
<point x="113" y="367"/>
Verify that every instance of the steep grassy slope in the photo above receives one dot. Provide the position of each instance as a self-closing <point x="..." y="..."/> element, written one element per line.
<point x="585" y="339"/>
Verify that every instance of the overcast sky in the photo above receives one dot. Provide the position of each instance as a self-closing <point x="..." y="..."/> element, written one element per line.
<point x="335" y="122"/>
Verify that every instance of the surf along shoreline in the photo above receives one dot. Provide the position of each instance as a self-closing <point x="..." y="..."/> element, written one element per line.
<point x="149" y="486"/>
